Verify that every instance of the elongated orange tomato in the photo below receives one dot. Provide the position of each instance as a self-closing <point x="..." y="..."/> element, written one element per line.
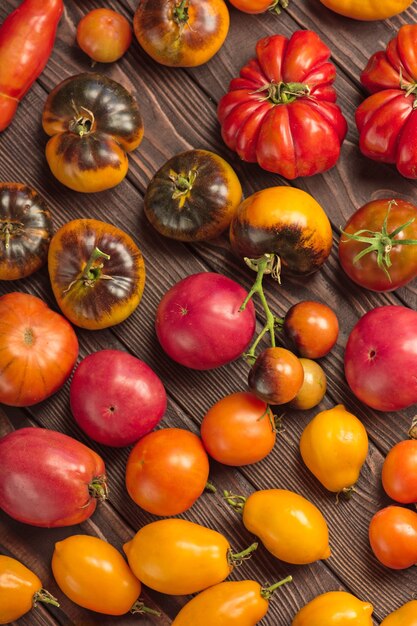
<point x="406" y="615"/>
<point x="335" y="608"/>
<point x="367" y="9"/>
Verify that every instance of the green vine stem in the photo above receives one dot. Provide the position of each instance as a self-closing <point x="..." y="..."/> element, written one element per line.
<point x="140" y="607"/>
<point x="98" y="488"/>
<point x="266" y="592"/>
<point x="45" y="597"/>
<point x="210" y="487"/>
<point x="235" y="501"/>
<point x="278" y="5"/>
<point x="236" y="559"/>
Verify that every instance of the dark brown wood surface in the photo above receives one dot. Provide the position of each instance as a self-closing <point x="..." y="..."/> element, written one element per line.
<point x="179" y="110"/>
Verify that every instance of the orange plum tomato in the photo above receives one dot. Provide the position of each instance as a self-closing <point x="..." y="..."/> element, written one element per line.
<point x="335" y="608"/>
<point x="399" y="472"/>
<point x="104" y="35"/>
<point x="406" y="615"/>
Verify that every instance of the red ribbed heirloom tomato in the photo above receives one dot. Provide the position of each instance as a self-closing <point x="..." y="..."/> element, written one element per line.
<point x="387" y="120"/>
<point x="281" y="111"/>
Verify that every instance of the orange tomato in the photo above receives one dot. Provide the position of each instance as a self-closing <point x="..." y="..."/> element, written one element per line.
<point x="313" y="327"/>
<point x="259" y="6"/>
<point x="276" y="376"/>
<point x="406" y="615"/>
<point x="335" y="608"/>
<point x="313" y="388"/>
<point x="367" y="9"/>
<point x="104" y="35"/>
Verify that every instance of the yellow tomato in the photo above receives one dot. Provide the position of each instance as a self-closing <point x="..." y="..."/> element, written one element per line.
<point x="334" y="446"/>
<point x="406" y="615"/>
<point x="313" y="388"/>
<point x="335" y="608"/>
<point x="367" y="9"/>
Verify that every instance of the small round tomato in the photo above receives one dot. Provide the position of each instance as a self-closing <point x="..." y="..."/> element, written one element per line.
<point x="259" y="6"/>
<point x="276" y="376"/>
<point x="334" y="446"/>
<point x="367" y="9"/>
<point x="393" y="537"/>
<point x="378" y="245"/>
<point x="104" y="35"/>
<point x="167" y="471"/>
<point x="313" y="327"/>
<point x="239" y="429"/>
<point x="406" y="615"/>
<point x="335" y="608"/>
<point x="20" y="590"/>
<point x="313" y="388"/>
<point x="399" y="472"/>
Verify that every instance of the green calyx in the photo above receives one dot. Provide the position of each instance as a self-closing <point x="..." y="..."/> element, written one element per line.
<point x="9" y="230"/>
<point x="142" y="609"/>
<point x="278" y="5"/>
<point x="98" y="488"/>
<point x="284" y="93"/>
<point x="45" y="597"/>
<point x="410" y="89"/>
<point x="236" y="558"/>
<point x="183" y="183"/>
<point x="181" y="13"/>
<point x="266" y="592"/>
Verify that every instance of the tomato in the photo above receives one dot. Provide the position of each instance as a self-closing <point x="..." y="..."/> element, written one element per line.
<point x="378" y="245"/>
<point x="97" y="273"/>
<point x="199" y="323"/>
<point x="25" y="231"/>
<point x="406" y="615"/>
<point x="276" y="376"/>
<point x="178" y="557"/>
<point x="259" y="6"/>
<point x="367" y="9"/>
<point x="181" y="33"/>
<point x="381" y="357"/>
<point x="313" y="327"/>
<point x="167" y="471"/>
<point x="387" y="120"/>
<point x="20" y="590"/>
<point x="290" y="526"/>
<point x="56" y="479"/>
<point x="116" y="398"/>
<point x="241" y="603"/>
<point x="335" y="608"/>
<point x="313" y="388"/>
<point x="334" y="446"/>
<point x="38" y="349"/>
<point x="399" y="472"/>
<point x="239" y="429"/>
<point x="281" y="111"/>
<point x="27" y="37"/>
<point x="193" y="196"/>
<point x="104" y="35"/>
<point x="92" y="122"/>
<point x="393" y="537"/>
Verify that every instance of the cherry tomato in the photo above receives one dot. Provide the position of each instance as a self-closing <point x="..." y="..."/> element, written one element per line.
<point x="276" y="376"/>
<point x="313" y="327"/>
<point x="399" y="472"/>
<point x="406" y="615"/>
<point x="20" y="590"/>
<point x="104" y="35"/>
<point x="393" y="537"/>
<point x="334" y="446"/>
<point x="335" y="608"/>
<point x="167" y="471"/>
<point x="239" y="429"/>
<point x="313" y="388"/>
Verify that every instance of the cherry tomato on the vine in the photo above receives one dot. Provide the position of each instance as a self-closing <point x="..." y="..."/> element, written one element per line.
<point x="104" y="35"/>
<point x="313" y="327"/>
<point x="393" y="537"/>
<point x="399" y="472"/>
<point x="313" y="388"/>
<point x="276" y="376"/>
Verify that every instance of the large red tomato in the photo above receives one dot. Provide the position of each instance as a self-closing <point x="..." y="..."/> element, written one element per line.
<point x="199" y="322"/>
<point x="280" y="112"/>
<point x="38" y="349"/>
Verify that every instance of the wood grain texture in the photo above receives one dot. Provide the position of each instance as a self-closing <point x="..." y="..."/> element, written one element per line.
<point x="179" y="110"/>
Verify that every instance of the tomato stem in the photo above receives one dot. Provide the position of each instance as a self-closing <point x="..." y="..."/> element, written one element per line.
<point x="44" y="596"/>
<point x="181" y="13"/>
<point x="413" y="429"/>
<point x="8" y="229"/>
<point x="283" y="93"/>
<point x="140" y="607"/>
<point x="183" y="183"/>
<point x="235" y="559"/>
<point x="210" y="487"/>
<point x="346" y="493"/>
<point x="277" y="5"/>
<point x="98" y="488"/>
<point x="266" y="592"/>
<point x="236" y="502"/>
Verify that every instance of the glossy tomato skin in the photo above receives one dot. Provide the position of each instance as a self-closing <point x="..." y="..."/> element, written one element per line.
<point x="104" y="35"/>
<point x="184" y="36"/>
<point x="387" y="121"/>
<point x="313" y="388"/>
<point x="290" y="527"/>
<point x="38" y="350"/>
<point x="252" y="6"/>
<point x="94" y="575"/>
<point x="276" y="376"/>
<point x="239" y="429"/>
<point x="370" y="217"/>
<point x="406" y="615"/>
<point x="92" y="122"/>
<point x="116" y="398"/>
<point x="25" y="231"/>
<point x="367" y="9"/>
<point x="108" y="292"/>
<point x="281" y="111"/>
<point x="313" y="327"/>
<point x="335" y="608"/>
<point x="380" y="358"/>
<point x="285" y="221"/>
<point x="193" y="196"/>
<point x="167" y="471"/>
<point x="57" y="478"/>
<point x="393" y="537"/>
<point x="199" y="324"/>
<point x="399" y="472"/>
<point x="27" y="37"/>
<point x="178" y="557"/>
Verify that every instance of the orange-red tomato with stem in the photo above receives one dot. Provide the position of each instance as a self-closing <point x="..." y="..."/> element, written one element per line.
<point x="104" y="35"/>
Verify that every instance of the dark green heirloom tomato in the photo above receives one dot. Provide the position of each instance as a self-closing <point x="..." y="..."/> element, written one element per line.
<point x="25" y="231"/>
<point x="193" y="196"/>
<point x="93" y="121"/>
<point x="97" y="273"/>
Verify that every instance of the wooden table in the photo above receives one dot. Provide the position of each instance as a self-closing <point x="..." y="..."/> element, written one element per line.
<point x="179" y="109"/>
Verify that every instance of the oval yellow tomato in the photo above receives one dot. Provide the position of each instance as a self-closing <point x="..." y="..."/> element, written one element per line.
<point x="367" y="10"/>
<point x="406" y="615"/>
<point x="335" y="608"/>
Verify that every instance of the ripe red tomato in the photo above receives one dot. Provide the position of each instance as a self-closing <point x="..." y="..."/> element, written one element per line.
<point x="393" y="537"/>
<point x="399" y="472"/>
<point x="313" y="327"/>
<point x="104" y="35"/>
<point x="239" y="429"/>
<point x="276" y="376"/>
<point x="199" y="323"/>
<point x="116" y="398"/>
<point x="381" y="358"/>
